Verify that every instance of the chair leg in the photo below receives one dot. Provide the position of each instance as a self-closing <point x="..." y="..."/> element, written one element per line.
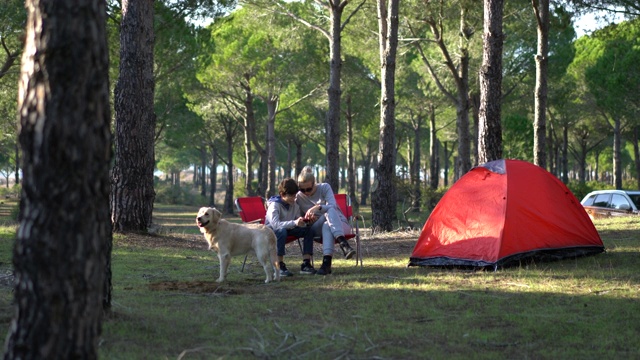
<point x="358" y="247"/>
<point x="243" y="263"/>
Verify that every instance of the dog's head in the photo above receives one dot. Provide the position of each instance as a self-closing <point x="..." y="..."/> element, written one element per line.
<point x="207" y="218"/>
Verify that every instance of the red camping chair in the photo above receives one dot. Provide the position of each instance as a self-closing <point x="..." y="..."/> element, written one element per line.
<point x="345" y="206"/>
<point x="253" y="210"/>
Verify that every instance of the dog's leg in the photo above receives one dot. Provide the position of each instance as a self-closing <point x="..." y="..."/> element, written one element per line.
<point x="225" y="259"/>
<point x="263" y="257"/>
<point x="274" y="257"/>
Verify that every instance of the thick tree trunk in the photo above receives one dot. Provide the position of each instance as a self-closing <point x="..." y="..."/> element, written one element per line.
<point x="132" y="193"/>
<point x="384" y="196"/>
<point x="334" y="93"/>
<point x="541" y="10"/>
<point x="463" y="104"/>
<point x="489" y="129"/>
<point x="63" y="245"/>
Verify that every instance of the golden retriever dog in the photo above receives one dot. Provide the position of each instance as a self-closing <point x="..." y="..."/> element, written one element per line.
<point x="229" y="239"/>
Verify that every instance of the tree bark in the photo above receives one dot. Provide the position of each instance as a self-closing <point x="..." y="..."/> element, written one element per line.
<point x="384" y="196"/>
<point x="489" y="129"/>
<point x="249" y="136"/>
<point x="132" y="193"/>
<point x="415" y="164"/>
<point x="272" y="109"/>
<point x="334" y="93"/>
<point x="434" y="163"/>
<point x="541" y="10"/>
<point x="367" y="159"/>
<point x="63" y="244"/>
<point x="351" y="163"/>
<point x="213" y="175"/>
<point x="230" y="135"/>
<point x="617" y="162"/>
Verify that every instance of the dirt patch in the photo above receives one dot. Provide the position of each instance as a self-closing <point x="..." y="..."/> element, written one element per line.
<point x="194" y="287"/>
<point x="182" y="241"/>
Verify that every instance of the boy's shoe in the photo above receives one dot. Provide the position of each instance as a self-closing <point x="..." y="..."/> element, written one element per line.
<point x="284" y="271"/>
<point x="307" y="269"/>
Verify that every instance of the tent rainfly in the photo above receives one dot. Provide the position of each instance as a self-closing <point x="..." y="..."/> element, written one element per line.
<point x="502" y="213"/>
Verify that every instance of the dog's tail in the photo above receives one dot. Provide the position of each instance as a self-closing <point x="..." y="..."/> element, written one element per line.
<point x="273" y="254"/>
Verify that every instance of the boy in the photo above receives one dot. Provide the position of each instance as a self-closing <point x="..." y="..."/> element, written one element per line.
<point x="284" y="218"/>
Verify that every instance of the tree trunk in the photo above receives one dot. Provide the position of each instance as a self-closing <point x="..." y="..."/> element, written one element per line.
<point x="636" y="153"/>
<point x="463" y="104"/>
<point x="203" y="178"/>
<point x="249" y="136"/>
<point x="334" y="92"/>
<point x="228" y="196"/>
<point x="287" y="166"/>
<point x="617" y="162"/>
<point x="62" y="251"/>
<point x="213" y="176"/>
<point x="132" y="193"/>
<point x="298" y="159"/>
<point x="272" y="109"/>
<point x="565" y="154"/>
<point x="17" y="168"/>
<point x="366" y="173"/>
<point x="384" y="196"/>
<point x="434" y="161"/>
<point x="489" y="129"/>
<point x="351" y="163"/>
<point x="541" y="10"/>
<point x="415" y="165"/>
<point x="474" y="100"/>
<point x="446" y="164"/>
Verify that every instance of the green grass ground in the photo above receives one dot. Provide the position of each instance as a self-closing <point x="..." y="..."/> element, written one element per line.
<point x="166" y="304"/>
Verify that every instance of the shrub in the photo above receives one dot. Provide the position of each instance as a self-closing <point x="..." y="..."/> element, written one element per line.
<point x="174" y="195"/>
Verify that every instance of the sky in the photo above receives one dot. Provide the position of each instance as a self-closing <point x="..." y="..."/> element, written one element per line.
<point x="586" y="24"/>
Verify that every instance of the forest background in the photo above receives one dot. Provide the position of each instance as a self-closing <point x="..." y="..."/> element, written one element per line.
<point x="230" y="79"/>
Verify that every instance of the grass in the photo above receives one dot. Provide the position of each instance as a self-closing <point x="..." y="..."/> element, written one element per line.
<point x="167" y="306"/>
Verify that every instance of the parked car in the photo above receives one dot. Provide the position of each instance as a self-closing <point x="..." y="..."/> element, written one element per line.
<point x="606" y="203"/>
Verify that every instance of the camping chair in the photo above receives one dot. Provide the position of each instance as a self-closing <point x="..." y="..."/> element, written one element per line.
<point x="253" y="210"/>
<point x="345" y="206"/>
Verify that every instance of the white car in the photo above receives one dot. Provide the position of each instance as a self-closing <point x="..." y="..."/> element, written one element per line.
<point x="607" y="203"/>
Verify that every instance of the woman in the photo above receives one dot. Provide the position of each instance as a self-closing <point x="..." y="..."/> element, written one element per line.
<point x="319" y="206"/>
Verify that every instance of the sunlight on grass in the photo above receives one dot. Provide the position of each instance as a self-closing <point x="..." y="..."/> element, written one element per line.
<point x="381" y="310"/>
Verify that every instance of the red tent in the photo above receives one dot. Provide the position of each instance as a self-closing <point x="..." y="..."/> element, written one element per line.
<point x="501" y="213"/>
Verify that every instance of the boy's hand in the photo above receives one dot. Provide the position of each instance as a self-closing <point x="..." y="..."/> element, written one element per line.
<point x="301" y="222"/>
